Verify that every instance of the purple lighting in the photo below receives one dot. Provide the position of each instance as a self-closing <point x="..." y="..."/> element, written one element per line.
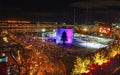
<point x="69" y="34"/>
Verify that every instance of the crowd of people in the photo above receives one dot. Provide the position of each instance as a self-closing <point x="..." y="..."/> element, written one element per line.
<point x="41" y="57"/>
<point x="38" y="56"/>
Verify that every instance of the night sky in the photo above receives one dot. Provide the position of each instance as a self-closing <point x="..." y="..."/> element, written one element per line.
<point x="61" y="10"/>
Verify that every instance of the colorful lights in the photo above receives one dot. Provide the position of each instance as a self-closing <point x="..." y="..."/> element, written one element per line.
<point x="100" y="58"/>
<point x="117" y="26"/>
<point x="36" y="61"/>
<point x="17" y="21"/>
<point x="105" y="30"/>
<point x="69" y="34"/>
<point x="43" y="30"/>
<point x="85" y="29"/>
<point x="3" y="65"/>
<point x="98" y="63"/>
<point x="5" y="39"/>
<point x="81" y="66"/>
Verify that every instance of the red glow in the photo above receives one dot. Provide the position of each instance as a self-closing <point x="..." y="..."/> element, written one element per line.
<point x="3" y="68"/>
<point x="105" y="30"/>
<point x="104" y="69"/>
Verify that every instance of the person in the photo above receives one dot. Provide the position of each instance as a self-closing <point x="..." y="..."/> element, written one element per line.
<point x="64" y="37"/>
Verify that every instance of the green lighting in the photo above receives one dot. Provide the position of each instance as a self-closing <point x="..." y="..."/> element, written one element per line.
<point x="117" y="26"/>
<point x="0" y="60"/>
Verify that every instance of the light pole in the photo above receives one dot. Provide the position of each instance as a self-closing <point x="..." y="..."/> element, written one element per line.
<point x="74" y="16"/>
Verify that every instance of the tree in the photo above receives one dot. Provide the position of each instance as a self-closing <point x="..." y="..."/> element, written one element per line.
<point x="64" y="37"/>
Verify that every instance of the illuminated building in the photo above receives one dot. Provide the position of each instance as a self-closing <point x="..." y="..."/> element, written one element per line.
<point x="104" y="29"/>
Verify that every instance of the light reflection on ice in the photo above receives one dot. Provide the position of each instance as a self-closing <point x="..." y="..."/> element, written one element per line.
<point x="87" y="41"/>
<point x="93" y="45"/>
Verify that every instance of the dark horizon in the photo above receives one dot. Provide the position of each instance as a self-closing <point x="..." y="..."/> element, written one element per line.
<point x="61" y="11"/>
